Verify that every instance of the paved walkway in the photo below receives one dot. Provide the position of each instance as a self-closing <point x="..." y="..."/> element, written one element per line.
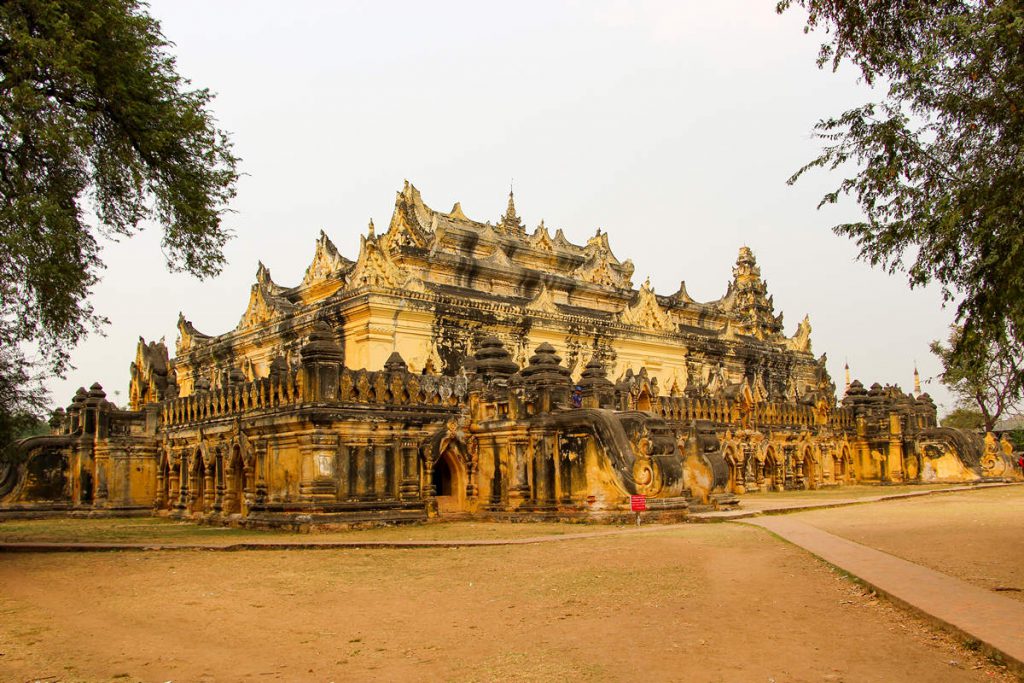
<point x="995" y="621"/>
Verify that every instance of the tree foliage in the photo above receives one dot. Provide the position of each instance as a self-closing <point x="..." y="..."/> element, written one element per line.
<point x="964" y="417"/>
<point x="938" y="157"/>
<point x="989" y="380"/>
<point x="98" y="132"/>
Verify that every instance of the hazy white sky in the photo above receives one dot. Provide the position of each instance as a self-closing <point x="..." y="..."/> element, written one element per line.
<point x="671" y="125"/>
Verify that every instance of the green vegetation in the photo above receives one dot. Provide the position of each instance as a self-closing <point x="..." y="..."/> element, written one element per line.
<point x="935" y="159"/>
<point x="988" y="380"/>
<point x="94" y="121"/>
<point x="964" y="417"/>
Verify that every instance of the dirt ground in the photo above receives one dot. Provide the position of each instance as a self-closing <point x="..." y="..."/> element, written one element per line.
<point x="977" y="536"/>
<point x="701" y="603"/>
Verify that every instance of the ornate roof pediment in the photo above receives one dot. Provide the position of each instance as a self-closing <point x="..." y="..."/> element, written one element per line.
<point x="544" y="302"/>
<point x="264" y="279"/>
<point x="602" y="269"/>
<point x="801" y="341"/>
<point x="498" y="258"/>
<point x="374" y="267"/>
<point x="263" y="307"/>
<point x="601" y="266"/>
<point x="327" y="262"/>
<point x="188" y="336"/>
<point x="402" y="233"/>
<point x="647" y="313"/>
<point x="541" y="239"/>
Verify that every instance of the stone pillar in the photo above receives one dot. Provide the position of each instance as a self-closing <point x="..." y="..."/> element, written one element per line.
<point x="318" y="454"/>
<point x="219" y="483"/>
<point x="101" y="463"/>
<point x="410" y="479"/>
<point x="260" y="462"/>
<point x="380" y="471"/>
<point x="158" y="500"/>
<point x="209" y="492"/>
<point x="321" y="365"/>
<point x="895" y="458"/>
<point x="173" y="486"/>
<point x="519" y="488"/>
<point x="343" y="462"/>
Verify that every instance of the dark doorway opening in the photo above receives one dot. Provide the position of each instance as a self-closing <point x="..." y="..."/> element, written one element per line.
<point x="441" y="478"/>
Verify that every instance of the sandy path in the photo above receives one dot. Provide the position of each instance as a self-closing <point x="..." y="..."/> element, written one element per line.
<point x="716" y="603"/>
<point x="976" y="536"/>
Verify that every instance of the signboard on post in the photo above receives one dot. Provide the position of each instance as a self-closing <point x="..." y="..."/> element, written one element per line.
<point x="638" y="503"/>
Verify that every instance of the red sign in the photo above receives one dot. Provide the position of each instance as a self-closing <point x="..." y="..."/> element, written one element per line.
<point x="638" y="503"/>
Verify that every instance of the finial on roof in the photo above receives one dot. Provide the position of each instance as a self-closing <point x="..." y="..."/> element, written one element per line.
<point x="917" y="381"/>
<point x="371" y="228"/>
<point x="510" y="222"/>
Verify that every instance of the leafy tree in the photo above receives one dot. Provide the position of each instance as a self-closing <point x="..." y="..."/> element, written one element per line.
<point x="98" y="132"/>
<point x="988" y="381"/>
<point x="21" y="398"/>
<point x="939" y="172"/>
<point x="964" y="417"/>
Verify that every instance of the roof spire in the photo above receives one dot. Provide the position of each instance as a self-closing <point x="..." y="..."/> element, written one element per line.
<point x="510" y="221"/>
<point x="846" y="367"/>
<point x="917" y="381"/>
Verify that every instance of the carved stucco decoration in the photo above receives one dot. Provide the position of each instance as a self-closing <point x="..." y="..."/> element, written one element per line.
<point x="402" y="233"/>
<point x="263" y="307"/>
<point x="801" y="341"/>
<point x="188" y="336"/>
<point x="264" y="279"/>
<point x="374" y="267"/>
<point x="327" y="262"/>
<point x="647" y="313"/>
<point x="541" y="239"/>
<point x="544" y="302"/>
<point x="601" y="266"/>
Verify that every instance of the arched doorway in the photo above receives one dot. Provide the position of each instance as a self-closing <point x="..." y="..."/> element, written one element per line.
<point x="447" y="483"/>
<point x="845" y="462"/>
<point x="810" y="469"/>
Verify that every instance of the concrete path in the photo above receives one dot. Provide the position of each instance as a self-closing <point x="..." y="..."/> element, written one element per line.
<point x="994" y="621"/>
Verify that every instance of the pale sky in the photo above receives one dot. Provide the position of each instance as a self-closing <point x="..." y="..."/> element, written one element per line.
<point x="673" y="126"/>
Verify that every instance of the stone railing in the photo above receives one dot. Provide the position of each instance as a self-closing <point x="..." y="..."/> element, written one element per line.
<point x="388" y="389"/>
<point x="726" y="412"/>
<point x="391" y="388"/>
<point x="233" y="400"/>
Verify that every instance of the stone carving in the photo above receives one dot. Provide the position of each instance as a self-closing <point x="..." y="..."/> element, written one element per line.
<point x="801" y="341"/>
<point x="188" y="336"/>
<point x="263" y="307"/>
<point x="544" y="302"/>
<point x="374" y="267"/>
<point x="647" y="313"/>
<point x="327" y="262"/>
